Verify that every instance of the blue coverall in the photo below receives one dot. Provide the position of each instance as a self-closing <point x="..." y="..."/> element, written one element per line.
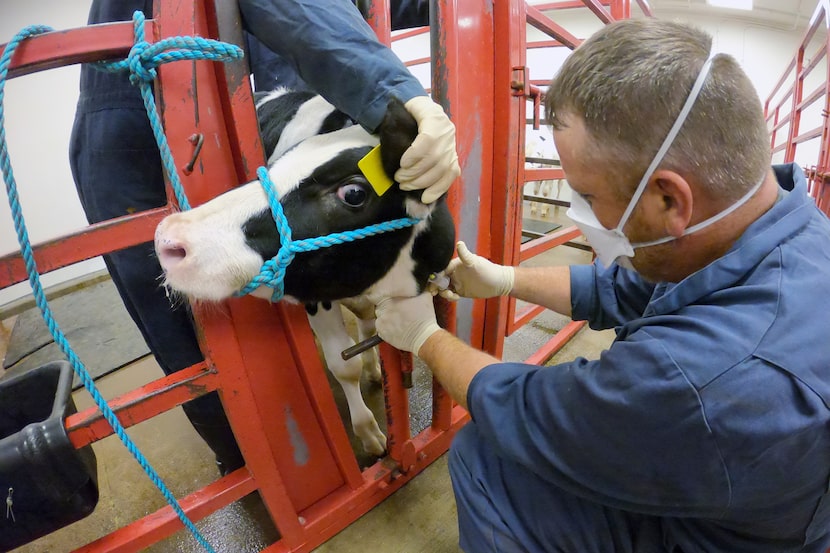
<point x="117" y="170"/>
<point x="703" y="428"/>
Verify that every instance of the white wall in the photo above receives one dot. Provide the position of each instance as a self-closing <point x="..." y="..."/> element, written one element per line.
<point x="39" y="110"/>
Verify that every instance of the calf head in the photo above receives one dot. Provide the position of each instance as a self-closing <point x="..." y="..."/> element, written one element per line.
<point x="214" y="250"/>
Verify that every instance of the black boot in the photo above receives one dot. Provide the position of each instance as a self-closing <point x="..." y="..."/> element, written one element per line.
<point x="215" y="430"/>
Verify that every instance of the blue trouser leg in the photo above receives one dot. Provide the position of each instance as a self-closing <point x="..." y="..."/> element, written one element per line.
<point x="504" y="507"/>
<point x="117" y="171"/>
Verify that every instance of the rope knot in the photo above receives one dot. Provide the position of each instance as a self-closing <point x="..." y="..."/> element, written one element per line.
<point x="142" y="66"/>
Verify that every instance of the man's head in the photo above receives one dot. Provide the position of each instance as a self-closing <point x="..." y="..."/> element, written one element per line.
<point x="611" y="106"/>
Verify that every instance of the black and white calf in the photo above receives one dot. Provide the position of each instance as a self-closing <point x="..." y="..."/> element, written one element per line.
<point x="214" y="250"/>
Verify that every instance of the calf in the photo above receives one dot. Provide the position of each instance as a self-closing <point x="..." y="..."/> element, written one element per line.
<point x="213" y="251"/>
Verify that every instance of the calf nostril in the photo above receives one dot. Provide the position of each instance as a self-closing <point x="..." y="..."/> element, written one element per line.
<point x="171" y="254"/>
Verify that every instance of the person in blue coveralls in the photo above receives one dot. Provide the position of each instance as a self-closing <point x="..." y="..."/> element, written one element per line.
<point x="322" y="45"/>
<point x="705" y="426"/>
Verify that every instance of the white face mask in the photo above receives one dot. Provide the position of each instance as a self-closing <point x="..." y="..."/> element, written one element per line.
<point x="612" y="244"/>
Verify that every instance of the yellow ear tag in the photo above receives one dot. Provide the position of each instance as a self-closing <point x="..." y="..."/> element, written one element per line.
<point x="372" y="168"/>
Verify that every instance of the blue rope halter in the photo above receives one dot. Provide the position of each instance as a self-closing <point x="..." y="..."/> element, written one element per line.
<point x="272" y="273"/>
<point x="141" y="62"/>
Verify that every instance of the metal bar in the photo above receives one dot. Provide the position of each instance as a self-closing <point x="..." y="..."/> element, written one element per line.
<point x="596" y="7"/>
<point x="533" y="174"/>
<point x="144" y="532"/>
<point x="544" y="44"/>
<point x="782" y="122"/>
<point x="417" y="61"/>
<point x="301" y="342"/>
<point x="809" y="135"/>
<point x="815" y="95"/>
<point x="141" y="404"/>
<point x="410" y="33"/>
<point x="548" y="26"/>
<point x="556" y="343"/>
<point x="380" y="20"/>
<point x="544" y="200"/>
<point x="524" y="316"/>
<point x="535" y="247"/>
<point x="782" y="80"/>
<point x="397" y="403"/>
<point x="544" y="161"/>
<point x="645" y="7"/>
<point x="510" y="32"/>
<point x="570" y="4"/>
<point x="815" y="59"/>
<point x="329" y="516"/>
<point x="105" y="237"/>
<point x="67" y="47"/>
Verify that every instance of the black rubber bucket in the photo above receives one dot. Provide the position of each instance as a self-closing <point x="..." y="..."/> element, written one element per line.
<point x="49" y="482"/>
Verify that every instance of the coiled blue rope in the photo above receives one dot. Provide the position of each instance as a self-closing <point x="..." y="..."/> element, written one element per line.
<point x="142" y="60"/>
<point x="272" y="273"/>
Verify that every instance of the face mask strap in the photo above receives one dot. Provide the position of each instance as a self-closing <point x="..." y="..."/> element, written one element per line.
<point x="710" y="221"/>
<point x="667" y="142"/>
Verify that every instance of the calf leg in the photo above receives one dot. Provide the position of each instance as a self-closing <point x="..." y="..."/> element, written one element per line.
<point x="371" y="359"/>
<point x="364" y="312"/>
<point x="330" y="330"/>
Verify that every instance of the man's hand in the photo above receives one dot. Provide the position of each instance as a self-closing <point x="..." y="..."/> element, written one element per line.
<point x="431" y="162"/>
<point x="406" y="323"/>
<point x="473" y="276"/>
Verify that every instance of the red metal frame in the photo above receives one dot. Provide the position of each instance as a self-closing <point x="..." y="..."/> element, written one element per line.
<point x="513" y="89"/>
<point x="794" y="104"/>
<point x="263" y="383"/>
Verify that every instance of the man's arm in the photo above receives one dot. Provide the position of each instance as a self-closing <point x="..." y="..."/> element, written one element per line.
<point x="549" y="287"/>
<point x="453" y="363"/>
<point x="335" y="51"/>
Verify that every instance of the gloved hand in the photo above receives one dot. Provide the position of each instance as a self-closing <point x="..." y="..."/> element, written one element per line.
<point x="406" y="323"/>
<point x="431" y="162"/>
<point x="473" y="276"/>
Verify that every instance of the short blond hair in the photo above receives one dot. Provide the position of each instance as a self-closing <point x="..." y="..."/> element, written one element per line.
<point x="628" y="82"/>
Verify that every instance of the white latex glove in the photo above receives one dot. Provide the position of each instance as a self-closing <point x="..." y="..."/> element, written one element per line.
<point x="431" y="162"/>
<point x="473" y="276"/>
<point x="406" y="323"/>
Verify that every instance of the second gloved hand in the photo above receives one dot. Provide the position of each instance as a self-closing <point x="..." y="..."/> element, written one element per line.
<point x="406" y="323"/>
<point x="431" y="162"/>
<point x="473" y="276"/>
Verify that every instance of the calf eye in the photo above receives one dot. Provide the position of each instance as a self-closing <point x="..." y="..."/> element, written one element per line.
<point x="353" y="195"/>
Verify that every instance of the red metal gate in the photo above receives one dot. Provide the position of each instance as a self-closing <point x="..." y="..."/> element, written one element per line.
<point x="514" y="88"/>
<point x="479" y="73"/>
<point x="786" y="108"/>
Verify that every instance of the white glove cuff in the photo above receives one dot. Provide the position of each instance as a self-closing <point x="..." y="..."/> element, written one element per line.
<point x="508" y="281"/>
<point x="419" y="334"/>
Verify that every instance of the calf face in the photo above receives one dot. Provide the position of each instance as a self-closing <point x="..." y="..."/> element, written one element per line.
<point x="214" y="250"/>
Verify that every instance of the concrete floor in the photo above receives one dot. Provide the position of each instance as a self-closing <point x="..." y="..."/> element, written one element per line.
<point x="419" y="518"/>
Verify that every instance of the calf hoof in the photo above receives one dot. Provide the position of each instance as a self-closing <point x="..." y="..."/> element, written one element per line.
<point x="373" y="440"/>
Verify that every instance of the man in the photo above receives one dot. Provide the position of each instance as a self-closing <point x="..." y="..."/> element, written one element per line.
<point x="704" y="426"/>
<point x="324" y="45"/>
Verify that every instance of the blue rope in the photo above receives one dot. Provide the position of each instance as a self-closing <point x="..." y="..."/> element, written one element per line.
<point x="142" y="60"/>
<point x="272" y="273"/>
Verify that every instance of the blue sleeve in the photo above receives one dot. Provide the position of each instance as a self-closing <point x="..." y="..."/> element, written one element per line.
<point x="607" y="297"/>
<point x="627" y="431"/>
<point x="335" y="51"/>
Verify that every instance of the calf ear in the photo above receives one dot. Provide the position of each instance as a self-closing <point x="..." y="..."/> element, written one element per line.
<point x="397" y="131"/>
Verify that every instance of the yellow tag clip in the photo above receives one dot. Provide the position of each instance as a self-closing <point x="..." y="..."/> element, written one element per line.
<point x="372" y="168"/>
